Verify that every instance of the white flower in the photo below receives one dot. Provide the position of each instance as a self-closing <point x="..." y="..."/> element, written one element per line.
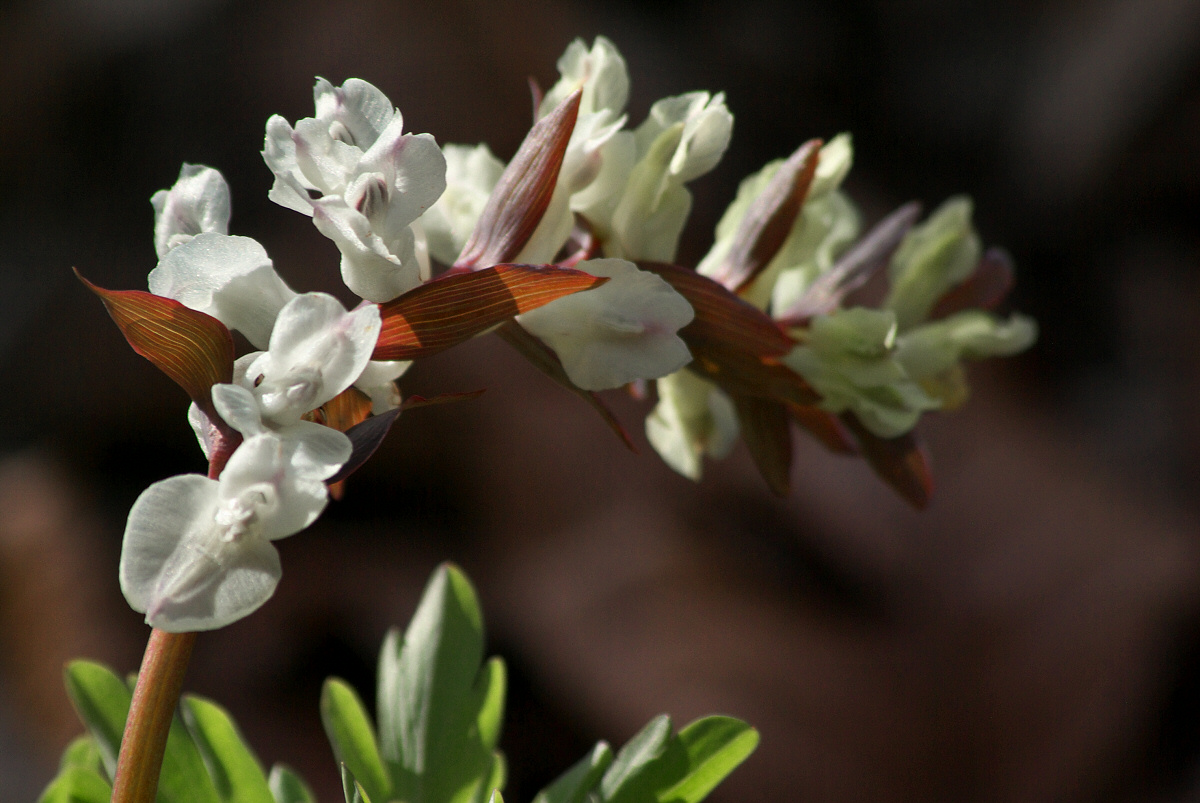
<point x="968" y="335"/>
<point x="600" y="72"/>
<point x="230" y="278"/>
<point x="378" y="381"/>
<point x="683" y="138"/>
<point x="373" y="181"/>
<point x="932" y="258"/>
<point x="471" y="175"/>
<point x="198" y="202"/>
<point x="317" y="350"/>
<point x="850" y="358"/>
<point x="693" y="418"/>
<point x="618" y="332"/>
<point x="197" y="552"/>
<point x="827" y="225"/>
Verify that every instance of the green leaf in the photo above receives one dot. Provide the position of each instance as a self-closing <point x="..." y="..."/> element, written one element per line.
<point x="288" y="787"/>
<point x="496" y="797"/>
<point x="184" y="778"/>
<point x="77" y="785"/>
<point x="495" y="780"/>
<point x="714" y="747"/>
<point x="352" y="789"/>
<point x="491" y="714"/>
<point x="83" y="753"/>
<point x="352" y="736"/>
<point x="235" y="771"/>
<point x="632" y="775"/>
<point x="102" y="701"/>
<point x="574" y="784"/>
<point x="433" y="695"/>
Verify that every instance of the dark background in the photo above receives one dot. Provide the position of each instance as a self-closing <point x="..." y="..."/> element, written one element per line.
<point x="1033" y="636"/>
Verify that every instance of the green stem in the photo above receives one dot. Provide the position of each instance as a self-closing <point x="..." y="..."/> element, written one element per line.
<point x="155" y="699"/>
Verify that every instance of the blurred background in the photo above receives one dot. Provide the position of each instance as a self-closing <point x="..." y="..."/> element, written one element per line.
<point x="1033" y="636"/>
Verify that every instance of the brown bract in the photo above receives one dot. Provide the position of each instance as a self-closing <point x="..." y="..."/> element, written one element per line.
<point x="770" y="218"/>
<point x="458" y="306"/>
<point x="192" y="348"/>
<point x="523" y="192"/>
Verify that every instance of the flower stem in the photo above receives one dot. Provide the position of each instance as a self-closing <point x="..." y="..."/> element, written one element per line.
<point x="155" y="699"/>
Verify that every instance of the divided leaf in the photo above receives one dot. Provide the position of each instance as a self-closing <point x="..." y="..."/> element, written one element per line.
<point x="658" y="767"/>
<point x="77" y="785"/>
<point x="352" y="736"/>
<point x="574" y="784"/>
<point x="82" y="752"/>
<point x="352" y="789"/>
<point x="458" y="306"/>
<point x="437" y="706"/>
<point x="101" y="699"/>
<point x="235" y="770"/>
<point x="288" y="787"/>
<point x="632" y="777"/>
<point x="192" y="348"/>
<point x="714" y="746"/>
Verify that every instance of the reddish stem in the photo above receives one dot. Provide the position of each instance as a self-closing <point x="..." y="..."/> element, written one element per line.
<point x="155" y="698"/>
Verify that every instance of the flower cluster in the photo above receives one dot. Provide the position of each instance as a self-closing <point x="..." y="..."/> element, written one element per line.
<point x="567" y="252"/>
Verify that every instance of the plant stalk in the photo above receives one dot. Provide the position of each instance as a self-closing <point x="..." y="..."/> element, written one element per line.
<point x="155" y="699"/>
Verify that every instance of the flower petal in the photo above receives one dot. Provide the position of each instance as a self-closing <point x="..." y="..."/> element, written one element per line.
<point x="200" y="592"/>
<point x="378" y="381"/>
<point x="693" y="417"/>
<point x="294" y="467"/>
<point x="376" y="269"/>
<point x="356" y="112"/>
<point x="230" y="278"/>
<point x="619" y="332"/>
<point x="238" y="408"/>
<point x="198" y="202"/>
<point x="162" y="518"/>
<point x="414" y="168"/>
<point x="317" y="350"/>
<point x="471" y="174"/>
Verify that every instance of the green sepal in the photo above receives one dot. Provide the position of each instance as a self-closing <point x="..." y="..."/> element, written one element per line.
<point x="574" y="784"/>
<point x="352" y="736"/>
<point x="77" y="785"/>
<point x="236" y="772"/>
<point x="288" y="787"/>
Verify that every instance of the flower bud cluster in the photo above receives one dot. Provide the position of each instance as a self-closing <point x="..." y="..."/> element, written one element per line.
<point x="569" y="251"/>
